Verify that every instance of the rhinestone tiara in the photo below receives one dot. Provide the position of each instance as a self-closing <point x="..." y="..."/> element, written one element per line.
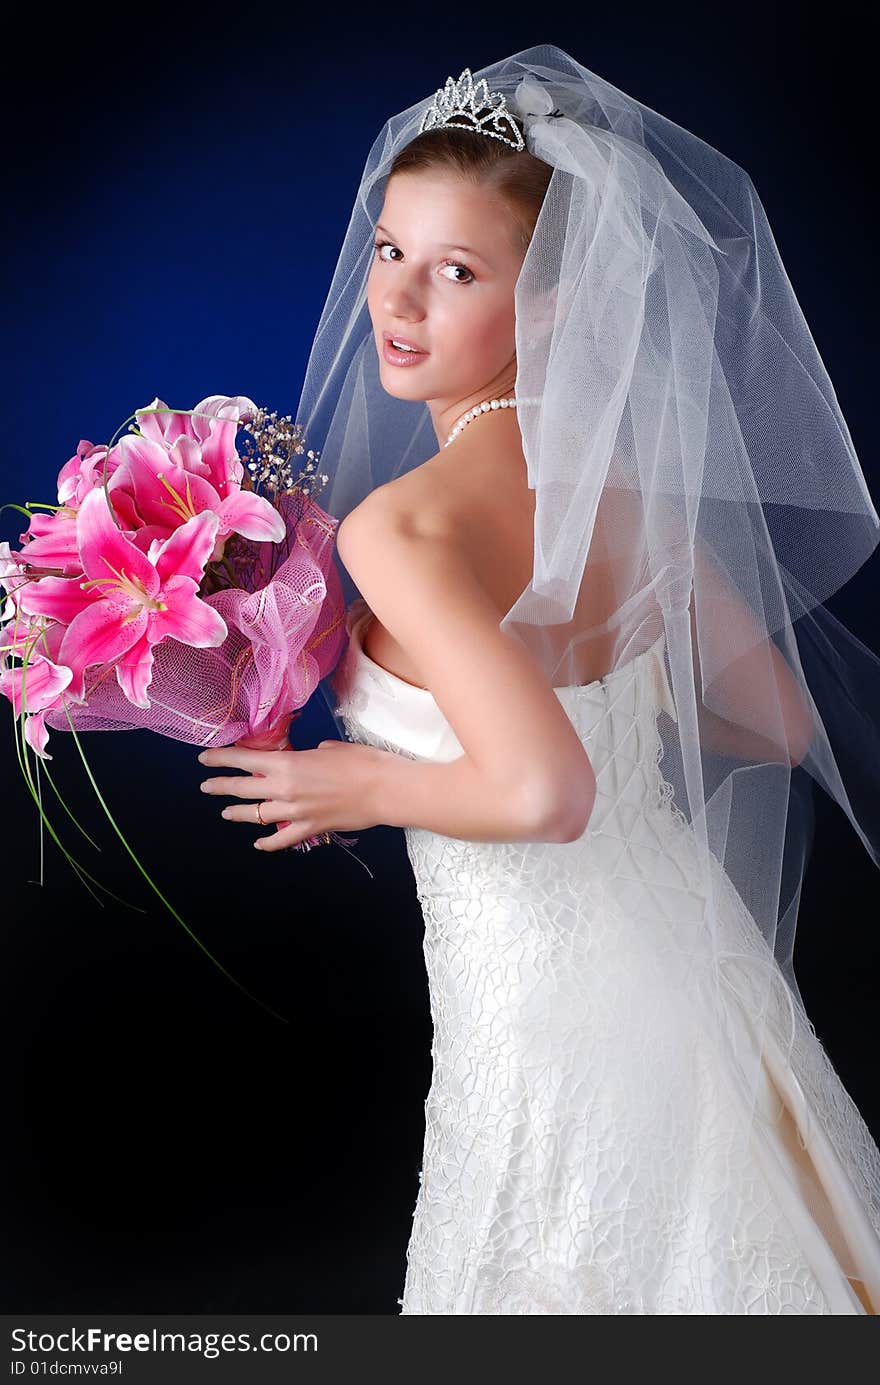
<point x="458" y="104"/>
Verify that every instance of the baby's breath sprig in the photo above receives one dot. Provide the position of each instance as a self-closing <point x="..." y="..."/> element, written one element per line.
<point x="269" y="445"/>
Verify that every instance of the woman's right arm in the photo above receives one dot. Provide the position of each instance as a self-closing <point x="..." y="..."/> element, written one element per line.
<point x="525" y="763"/>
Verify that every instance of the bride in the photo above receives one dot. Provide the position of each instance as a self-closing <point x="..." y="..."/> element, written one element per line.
<point x="593" y="480"/>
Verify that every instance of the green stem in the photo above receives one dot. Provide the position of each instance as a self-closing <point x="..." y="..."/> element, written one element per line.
<point x="22" y="751"/>
<point x="154" y="886"/>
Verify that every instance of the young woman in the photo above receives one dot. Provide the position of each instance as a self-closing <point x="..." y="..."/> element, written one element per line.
<point x="570" y="405"/>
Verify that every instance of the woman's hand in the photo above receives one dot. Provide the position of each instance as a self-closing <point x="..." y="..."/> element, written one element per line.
<point x="323" y="790"/>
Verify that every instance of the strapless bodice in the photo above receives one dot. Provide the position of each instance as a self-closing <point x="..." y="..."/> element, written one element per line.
<point x="388" y="711"/>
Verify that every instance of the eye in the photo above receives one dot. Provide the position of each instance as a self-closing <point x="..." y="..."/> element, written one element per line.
<point x="452" y="264"/>
<point x="380" y="245"/>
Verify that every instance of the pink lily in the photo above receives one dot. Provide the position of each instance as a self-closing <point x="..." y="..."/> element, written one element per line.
<point x="43" y="681"/>
<point x="167" y="492"/>
<point x="130" y="600"/>
<point x="12" y="576"/>
<point x="50" y="541"/>
<point x="83" y="472"/>
<point x="166" y="425"/>
<point x="214" y="455"/>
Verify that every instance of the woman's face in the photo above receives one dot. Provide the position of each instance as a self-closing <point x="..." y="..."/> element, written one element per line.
<point x="443" y="278"/>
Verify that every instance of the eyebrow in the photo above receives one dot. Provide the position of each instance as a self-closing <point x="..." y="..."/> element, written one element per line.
<point x="444" y="245"/>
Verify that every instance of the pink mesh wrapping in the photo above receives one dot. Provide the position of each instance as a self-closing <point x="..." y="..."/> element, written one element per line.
<point x="286" y="632"/>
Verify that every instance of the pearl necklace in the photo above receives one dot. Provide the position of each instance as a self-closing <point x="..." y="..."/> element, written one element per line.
<point x="483" y="408"/>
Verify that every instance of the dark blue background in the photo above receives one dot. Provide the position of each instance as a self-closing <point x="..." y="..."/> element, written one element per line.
<point x="176" y="200"/>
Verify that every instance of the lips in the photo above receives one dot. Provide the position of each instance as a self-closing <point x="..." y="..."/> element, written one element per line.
<point x="390" y="338"/>
<point x="395" y="357"/>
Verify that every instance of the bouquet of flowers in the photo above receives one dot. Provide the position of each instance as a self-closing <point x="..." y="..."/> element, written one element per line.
<point x="172" y="588"/>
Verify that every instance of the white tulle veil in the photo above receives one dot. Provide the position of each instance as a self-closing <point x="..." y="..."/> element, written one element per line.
<point x="679" y="425"/>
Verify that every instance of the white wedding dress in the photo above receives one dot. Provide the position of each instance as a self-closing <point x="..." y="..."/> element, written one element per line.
<point x="587" y="1147"/>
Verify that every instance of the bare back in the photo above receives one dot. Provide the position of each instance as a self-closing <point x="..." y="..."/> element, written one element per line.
<point x="479" y="491"/>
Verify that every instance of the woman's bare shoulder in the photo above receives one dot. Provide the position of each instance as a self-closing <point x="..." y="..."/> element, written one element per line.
<point x="402" y="493"/>
<point x="428" y="495"/>
<point x="476" y="496"/>
<point x="485" y="477"/>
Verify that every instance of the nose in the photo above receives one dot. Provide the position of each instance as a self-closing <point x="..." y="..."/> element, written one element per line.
<point x="400" y="301"/>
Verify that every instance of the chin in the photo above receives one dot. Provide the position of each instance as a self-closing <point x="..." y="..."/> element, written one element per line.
<point x="393" y="384"/>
